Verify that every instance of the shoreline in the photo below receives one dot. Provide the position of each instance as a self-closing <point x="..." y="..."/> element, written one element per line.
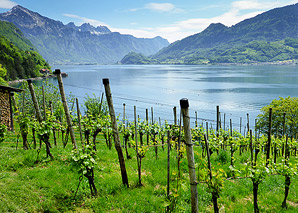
<point x="63" y="74"/>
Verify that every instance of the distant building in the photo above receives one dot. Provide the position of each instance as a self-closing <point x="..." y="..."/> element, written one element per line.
<point x="6" y="94"/>
<point x="44" y="71"/>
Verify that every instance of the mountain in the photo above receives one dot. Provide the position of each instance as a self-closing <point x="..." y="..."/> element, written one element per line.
<point x="15" y="35"/>
<point x="17" y="54"/>
<point x="59" y="43"/>
<point x="252" y="40"/>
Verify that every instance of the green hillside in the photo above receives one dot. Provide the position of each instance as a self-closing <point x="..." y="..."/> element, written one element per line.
<point x="15" y="35"/>
<point x="17" y="55"/>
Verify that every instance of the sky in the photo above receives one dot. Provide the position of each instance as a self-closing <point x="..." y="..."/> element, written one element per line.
<point x="170" y="19"/>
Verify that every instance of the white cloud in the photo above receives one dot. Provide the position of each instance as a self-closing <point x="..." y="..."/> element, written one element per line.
<point x="160" y="7"/>
<point x="7" y="4"/>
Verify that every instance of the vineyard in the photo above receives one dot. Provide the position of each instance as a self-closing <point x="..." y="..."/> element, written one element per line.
<point x="59" y="160"/>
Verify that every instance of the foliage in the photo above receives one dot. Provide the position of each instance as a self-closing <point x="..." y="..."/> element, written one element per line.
<point x="3" y="72"/>
<point x="95" y="107"/>
<point x="84" y="160"/>
<point x="52" y="95"/>
<point x="24" y="123"/>
<point x="280" y="106"/>
<point x="215" y="186"/>
<point x="3" y="130"/>
<point x="16" y="36"/>
<point x="20" y="64"/>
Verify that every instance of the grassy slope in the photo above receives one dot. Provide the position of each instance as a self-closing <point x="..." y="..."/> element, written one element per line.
<point x="26" y="186"/>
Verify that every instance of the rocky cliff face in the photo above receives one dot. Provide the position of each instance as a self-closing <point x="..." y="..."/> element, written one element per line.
<point x="59" y="43"/>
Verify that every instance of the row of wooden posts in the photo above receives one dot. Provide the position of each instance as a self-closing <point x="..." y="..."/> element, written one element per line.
<point x="184" y="104"/>
<point x="186" y="124"/>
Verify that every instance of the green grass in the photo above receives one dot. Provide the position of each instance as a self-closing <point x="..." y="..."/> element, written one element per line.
<point x="31" y="184"/>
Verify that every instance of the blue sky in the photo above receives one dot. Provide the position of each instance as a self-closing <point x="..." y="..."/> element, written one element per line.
<point x="170" y="19"/>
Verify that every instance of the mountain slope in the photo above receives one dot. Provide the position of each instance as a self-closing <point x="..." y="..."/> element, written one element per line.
<point x="17" y="55"/>
<point x="15" y="35"/>
<point x="60" y="43"/>
<point x="274" y="25"/>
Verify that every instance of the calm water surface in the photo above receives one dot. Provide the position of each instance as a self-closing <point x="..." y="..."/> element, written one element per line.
<point x="238" y="90"/>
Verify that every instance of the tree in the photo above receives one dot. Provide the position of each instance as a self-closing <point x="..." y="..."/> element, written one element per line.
<point x="3" y="73"/>
<point x="279" y="107"/>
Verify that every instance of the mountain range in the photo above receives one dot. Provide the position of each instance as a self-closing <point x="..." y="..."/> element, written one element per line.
<point x="59" y="43"/>
<point x="270" y="36"/>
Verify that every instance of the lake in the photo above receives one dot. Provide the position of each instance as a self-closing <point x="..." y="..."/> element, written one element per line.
<point x="237" y="90"/>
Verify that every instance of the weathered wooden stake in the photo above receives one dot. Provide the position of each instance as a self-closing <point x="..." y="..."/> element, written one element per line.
<point x="179" y="144"/>
<point x="217" y="120"/>
<point x="224" y="121"/>
<point x="137" y="148"/>
<point x="152" y="115"/>
<point x="190" y="155"/>
<point x="240" y="124"/>
<point x="54" y="131"/>
<point x="269" y="137"/>
<point x="247" y="123"/>
<point x="147" y="122"/>
<point x="79" y="120"/>
<point x="168" y="176"/>
<point x="34" y="99"/>
<point x="123" y="123"/>
<point x="196" y="118"/>
<point x="44" y="103"/>
<point x="66" y="110"/>
<point x="175" y="115"/>
<point x="231" y="128"/>
<point x="214" y="197"/>
<point x="115" y="131"/>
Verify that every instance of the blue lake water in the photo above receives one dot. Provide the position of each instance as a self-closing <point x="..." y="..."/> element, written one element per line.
<point x="237" y="90"/>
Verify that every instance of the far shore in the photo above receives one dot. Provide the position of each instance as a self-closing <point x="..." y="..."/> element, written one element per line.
<point x="37" y="78"/>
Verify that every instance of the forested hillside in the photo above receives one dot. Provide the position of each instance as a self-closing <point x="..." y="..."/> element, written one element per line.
<point x="17" y="55"/>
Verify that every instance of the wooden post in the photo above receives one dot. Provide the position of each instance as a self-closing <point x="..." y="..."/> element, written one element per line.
<point x="214" y="197"/>
<point x="224" y="121"/>
<point x="147" y="120"/>
<point x="190" y="155"/>
<point x="79" y="120"/>
<point x="240" y="124"/>
<point x="175" y="115"/>
<point x="137" y="148"/>
<point x="152" y="115"/>
<point x="123" y="123"/>
<point x="251" y="150"/>
<point x="44" y="103"/>
<point x="196" y="118"/>
<point x="231" y="128"/>
<point x="34" y="99"/>
<point x="179" y="144"/>
<point x="269" y="137"/>
<point x="66" y="110"/>
<point x="168" y="176"/>
<point x="207" y="130"/>
<point x="247" y="123"/>
<point x="217" y="120"/>
<point x="54" y="131"/>
<point x="100" y="107"/>
<point x="115" y="131"/>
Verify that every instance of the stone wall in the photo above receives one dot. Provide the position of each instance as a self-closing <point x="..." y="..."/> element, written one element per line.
<point x="5" y="108"/>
